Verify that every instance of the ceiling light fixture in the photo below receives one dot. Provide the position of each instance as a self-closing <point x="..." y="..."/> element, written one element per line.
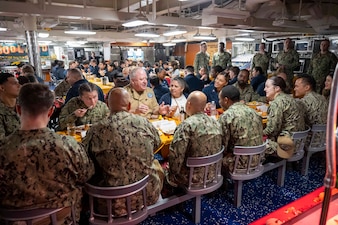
<point x="244" y="39"/>
<point x="80" y="32"/>
<point x="43" y="35"/>
<point x="168" y="44"/>
<point x="147" y="34"/>
<point x="179" y="39"/>
<point x="174" y="32"/>
<point x="199" y="36"/>
<point x="139" y="20"/>
<point x="3" y="29"/>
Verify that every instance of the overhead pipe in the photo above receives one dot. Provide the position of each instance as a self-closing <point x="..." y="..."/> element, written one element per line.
<point x="253" y="5"/>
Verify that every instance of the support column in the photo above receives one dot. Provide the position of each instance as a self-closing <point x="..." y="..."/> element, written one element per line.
<point x="32" y="44"/>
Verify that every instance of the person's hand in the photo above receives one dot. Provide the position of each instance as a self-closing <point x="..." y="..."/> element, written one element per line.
<point x="142" y="109"/>
<point x="207" y="107"/>
<point x="204" y="77"/>
<point x="80" y="112"/>
<point x="172" y="110"/>
<point x="163" y="109"/>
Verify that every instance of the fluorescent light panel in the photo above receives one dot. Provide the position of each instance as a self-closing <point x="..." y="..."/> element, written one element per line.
<point x="169" y="44"/>
<point x="43" y="35"/>
<point x="147" y="34"/>
<point x="135" y="23"/>
<point x="174" y="32"/>
<point x="81" y="32"/>
<point x="3" y="29"/>
<point x="244" y="39"/>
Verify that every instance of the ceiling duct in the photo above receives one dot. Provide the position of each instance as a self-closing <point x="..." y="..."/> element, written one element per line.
<point x="49" y="23"/>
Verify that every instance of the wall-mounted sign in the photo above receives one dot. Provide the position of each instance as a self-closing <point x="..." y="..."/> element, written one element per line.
<point x="17" y="49"/>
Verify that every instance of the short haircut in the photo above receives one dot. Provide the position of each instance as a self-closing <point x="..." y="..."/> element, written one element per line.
<point x="203" y="43"/>
<point x="235" y="69"/>
<point x="117" y="75"/>
<point x="85" y="62"/>
<point x="259" y="69"/>
<point x="226" y="75"/>
<point x="190" y="69"/>
<point x="28" y="69"/>
<point x="35" y="98"/>
<point x="217" y="68"/>
<point x="75" y="72"/>
<point x="231" y="93"/>
<point x="278" y="82"/>
<point x="181" y="82"/>
<point x="135" y="71"/>
<point x="308" y="80"/>
<point x="87" y="87"/>
<point x="221" y="43"/>
<point x="4" y="77"/>
<point x="154" y="80"/>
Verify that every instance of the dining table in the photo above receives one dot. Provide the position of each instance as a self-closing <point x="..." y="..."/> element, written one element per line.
<point x="98" y="81"/>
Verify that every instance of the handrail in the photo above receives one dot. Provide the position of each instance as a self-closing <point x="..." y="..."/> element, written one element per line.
<point x="330" y="176"/>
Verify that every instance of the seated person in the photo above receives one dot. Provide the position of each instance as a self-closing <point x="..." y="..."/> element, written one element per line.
<point x="119" y="80"/>
<point x="233" y="73"/>
<point x="75" y="79"/>
<point x="246" y="91"/>
<point x="212" y="91"/>
<point x="240" y="125"/>
<point x="198" y="135"/>
<point x="314" y="105"/>
<point x="142" y="98"/>
<point x="84" y="109"/>
<point x="284" y="114"/>
<point x="50" y="169"/>
<point x="327" y="86"/>
<point x="9" y="91"/>
<point x="128" y="142"/>
<point x="176" y="99"/>
<point x="194" y="84"/>
<point x="257" y="77"/>
<point x="158" y="89"/>
<point x="62" y="88"/>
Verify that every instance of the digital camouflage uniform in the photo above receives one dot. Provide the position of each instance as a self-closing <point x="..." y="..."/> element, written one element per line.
<point x="146" y="98"/>
<point x="94" y="115"/>
<point x="201" y="60"/>
<point x="261" y="60"/>
<point x="62" y="88"/>
<point x="222" y="59"/>
<point x="320" y="66"/>
<point x="248" y="94"/>
<point x="198" y="135"/>
<point x="9" y="120"/>
<point x="284" y="116"/>
<point x="122" y="149"/>
<point x="240" y="126"/>
<point x="42" y="169"/>
<point x="315" y="108"/>
<point x="290" y="61"/>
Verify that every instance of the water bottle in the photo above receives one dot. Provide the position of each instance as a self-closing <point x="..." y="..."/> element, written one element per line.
<point x="182" y="114"/>
<point x="213" y="111"/>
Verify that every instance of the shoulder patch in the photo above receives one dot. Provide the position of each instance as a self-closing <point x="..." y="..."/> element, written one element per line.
<point x="150" y="95"/>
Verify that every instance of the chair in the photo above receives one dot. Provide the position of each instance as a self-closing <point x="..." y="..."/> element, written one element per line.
<point x="195" y="191"/>
<point x="28" y="215"/>
<point x="317" y="144"/>
<point x="110" y="193"/>
<point x="299" y="138"/>
<point x="250" y="171"/>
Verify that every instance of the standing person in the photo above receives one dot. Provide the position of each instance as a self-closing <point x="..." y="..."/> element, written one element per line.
<point x="322" y="64"/>
<point x="314" y="105"/>
<point x="124" y="154"/>
<point x="221" y="58"/>
<point x="287" y="60"/>
<point x="198" y="135"/>
<point x="237" y="123"/>
<point x="284" y="114"/>
<point x="261" y="59"/>
<point x="50" y="169"/>
<point x="202" y="58"/>
<point x="9" y="91"/>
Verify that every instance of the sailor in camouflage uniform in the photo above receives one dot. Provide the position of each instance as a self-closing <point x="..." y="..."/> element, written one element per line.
<point x="142" y="98"/>
<point x="287" y="60"/>
<point x="322" y="64"/>
<point x="62" y="88"/>
<point x="284" y="114"/>
<point x="9" y="91"/>
<point x="315" y="105"/>
<point x="247" y="94"/>
<point x="198" y="135"/>
<point x="202" y="58"/>
<point x="261" y="59"/>
<point x="122" y="148"/>
<point x="83" y="109"/>
<point x="221" y="58"/>
<point x="240" y="125"/>
<point x="39" y="168"/>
